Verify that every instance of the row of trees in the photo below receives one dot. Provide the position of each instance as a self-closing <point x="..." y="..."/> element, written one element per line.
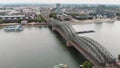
<point x="39" y="19"/>
<point x="53" y="15"/>
<point x="119" y="57"/>
<point x="1" y="21"/>
<point x="81" y="16"/>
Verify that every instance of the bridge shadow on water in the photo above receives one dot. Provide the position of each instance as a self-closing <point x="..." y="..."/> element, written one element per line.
<point x="79" y="58"/>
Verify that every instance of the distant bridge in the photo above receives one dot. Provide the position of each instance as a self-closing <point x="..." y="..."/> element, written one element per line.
<point x="91" y="49"/>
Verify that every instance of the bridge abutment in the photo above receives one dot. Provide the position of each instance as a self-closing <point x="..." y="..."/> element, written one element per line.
<point x="53" y="29"/>
<point x="68" y="44"/>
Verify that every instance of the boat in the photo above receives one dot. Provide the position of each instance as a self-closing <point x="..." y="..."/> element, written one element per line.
<point x="82" y="32"/>
<point x="61" y="66"/>
<point x="14" y="28"/>
<point x="110" y="21"/>
<point x="9" y="28"/>
<point x="19" y="28"/>
<point x="98" y="22"/>
<point x="81" y="66"/>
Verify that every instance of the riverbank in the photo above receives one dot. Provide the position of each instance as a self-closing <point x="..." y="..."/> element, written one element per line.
<point x="28" y="24"/>
<point x="37" y="24"/>
<point x="74" y="21"/>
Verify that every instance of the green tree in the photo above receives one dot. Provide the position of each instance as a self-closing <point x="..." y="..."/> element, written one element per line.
<point x="19" y="20"/>
<point x="40" y="19"/>
<point x="118" y="14"/>
<point x="87" y="64"/>
<point x="29" y="20"/>
<point x="82" y="15"/>
<point x="118" y="57"/>
<point x="53" y="15"/>
<point x="1" y="21"/>
<point x="74" y="14"/>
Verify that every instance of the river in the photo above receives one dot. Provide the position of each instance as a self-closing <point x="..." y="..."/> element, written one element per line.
<point x="39" y="47"/>
<point x="36" y="47"/>
<point x="107" y="34"/>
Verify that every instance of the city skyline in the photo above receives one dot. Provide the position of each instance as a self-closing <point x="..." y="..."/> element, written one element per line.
<point x="62" y="1"/>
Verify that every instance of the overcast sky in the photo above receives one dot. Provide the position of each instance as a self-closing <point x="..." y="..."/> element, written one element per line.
<point x="63" y="1"/>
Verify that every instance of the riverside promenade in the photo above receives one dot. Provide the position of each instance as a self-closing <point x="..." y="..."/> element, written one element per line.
<point x="74" y="21"/>
<point x="28" y="24"/>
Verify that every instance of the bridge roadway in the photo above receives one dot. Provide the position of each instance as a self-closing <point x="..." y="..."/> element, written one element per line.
<point x="91" y="49"/>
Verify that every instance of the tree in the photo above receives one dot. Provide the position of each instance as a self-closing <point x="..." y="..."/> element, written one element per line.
<point x="117" y="14"/>
<point x="19" y="20"/>
<point x="30" y="20"/>
<point x="74" y="14"/>
<point x="40" y="19"/>
<point x="1" y="21"/>
<point x="87" y="64"/>
<point x="53" y="15"/>
<point x="118" y="57"/>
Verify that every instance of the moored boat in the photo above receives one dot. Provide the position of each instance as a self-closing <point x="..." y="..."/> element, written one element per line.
<point x="110" y="21"/>
<point x="98" y="22"/>
<point x="19" y="28"/>
<point x="14" y="28"/>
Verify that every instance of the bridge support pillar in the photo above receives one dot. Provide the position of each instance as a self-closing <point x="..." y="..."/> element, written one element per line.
<point x="68" y="44"/>
<point x="53" y="29"/>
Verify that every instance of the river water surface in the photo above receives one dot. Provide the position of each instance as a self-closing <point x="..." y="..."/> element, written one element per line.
<point x="35" y="47"/>
<point x="39" y="47"/>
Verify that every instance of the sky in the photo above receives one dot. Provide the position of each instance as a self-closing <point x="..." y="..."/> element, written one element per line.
<point x="63" y="1"/>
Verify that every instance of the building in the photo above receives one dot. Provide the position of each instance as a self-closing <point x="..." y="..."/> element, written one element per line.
<point x="23" y="22"/>
<point x="64" y="17"/>
<point x="58" y="9"/>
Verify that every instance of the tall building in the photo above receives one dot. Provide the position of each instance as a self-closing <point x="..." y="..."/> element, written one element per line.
<point x="58" y="8"/>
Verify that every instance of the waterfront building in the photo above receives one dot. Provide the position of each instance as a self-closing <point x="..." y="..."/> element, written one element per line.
<point x="10" y="17"/>
<point x="24" y="22"/>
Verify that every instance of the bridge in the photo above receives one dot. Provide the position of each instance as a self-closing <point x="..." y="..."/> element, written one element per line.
<point x="89" y="48"/>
